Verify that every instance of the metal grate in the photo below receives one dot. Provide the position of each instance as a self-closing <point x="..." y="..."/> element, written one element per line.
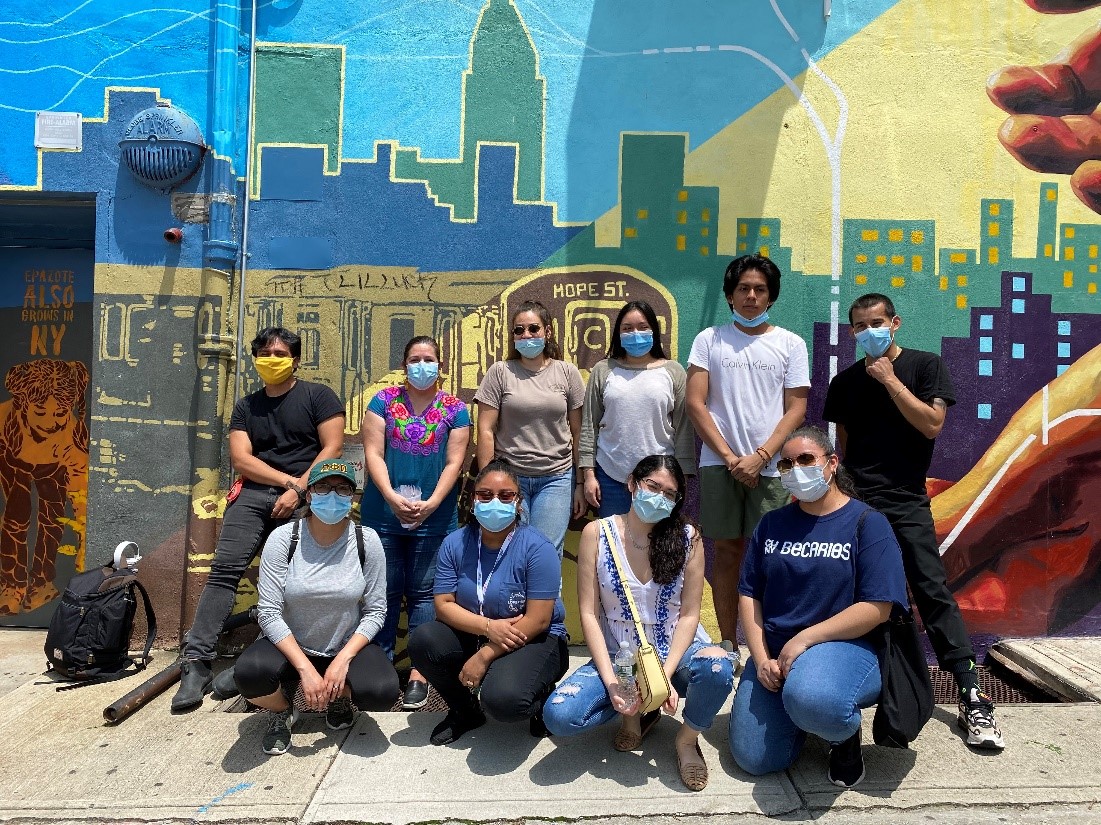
<point x="1002" y="691"/>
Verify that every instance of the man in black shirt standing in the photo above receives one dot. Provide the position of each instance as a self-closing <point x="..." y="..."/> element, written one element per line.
<point x="276" y="435"/>
<point x="889" y="408"/>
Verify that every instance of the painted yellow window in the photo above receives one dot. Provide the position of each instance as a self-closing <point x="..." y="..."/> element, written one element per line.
<point x="894" y="235"/>
<point x="705" y="251"/>
<point x="741" y="246"/>
<point x="961" y="302"/>
<point x="1051" y="194"/>
<point x="681" y="243"/>
<point x="643" y="214"/>
<point x="897" y="260"/>
<point x="870" y="235"/>
<point x="993" y="229"/>
<point x="1093" y="267"/>
<point x="1068" y="253"/>
<point x="881" y="259"/>
<point x="1093" y="250"/>
<point x="742" y="229"/>
<point x="898" y="282"/>
<point x="943" y="284"/>
<point x="1048" y="251"/>
<point x="917" y="236"/>
<point x="630" y="232"/>
<point x="763" y="251"/>
<point x="1092" y="289"/>
<point x="705" y="231"/>
<point x="992" y="255"/>
<point x="861" y="279"/>
<point x="705" y="215"/>
<point x="682" y="195"/>
<point x="961" y="280"/>
<point x="1068" y="279"/>
<point x="958" y="257"/>
<point x="682" y="216"/>
<point x="915" y="263"/>
<point x="862" y="259"/>
<point x="766" y="231"/>
<point x="1068" y="232"/>
<point x="995" y="209"/>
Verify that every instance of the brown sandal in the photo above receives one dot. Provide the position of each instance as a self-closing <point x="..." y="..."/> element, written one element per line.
<point x="694" y="777"/>
<point x="629" y="740"/>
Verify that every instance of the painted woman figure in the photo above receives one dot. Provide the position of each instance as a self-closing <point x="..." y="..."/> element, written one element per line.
<point x="44" y="446"/>
<point x="634" y="407"/>
<point x="414" y="440"/>
<point x="529" y="416"/>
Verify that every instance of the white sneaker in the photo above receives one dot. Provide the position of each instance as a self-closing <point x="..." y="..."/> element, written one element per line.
<point x="976" y="716"/>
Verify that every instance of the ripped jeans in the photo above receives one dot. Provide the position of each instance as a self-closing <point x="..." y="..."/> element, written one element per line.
<point x="582" y="702"/>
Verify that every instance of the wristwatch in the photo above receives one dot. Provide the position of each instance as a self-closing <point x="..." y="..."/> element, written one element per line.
<point x="290" y="485"/>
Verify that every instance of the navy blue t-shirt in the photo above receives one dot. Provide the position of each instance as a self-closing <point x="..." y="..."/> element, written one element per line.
<point x="803" y="569"/>
<point x="529" y="569"/>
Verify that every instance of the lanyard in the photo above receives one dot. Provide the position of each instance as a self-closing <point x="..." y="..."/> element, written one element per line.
<point x="481" y="587"/>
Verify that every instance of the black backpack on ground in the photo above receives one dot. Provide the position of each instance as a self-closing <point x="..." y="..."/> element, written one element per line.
<point x="89" y="635"/>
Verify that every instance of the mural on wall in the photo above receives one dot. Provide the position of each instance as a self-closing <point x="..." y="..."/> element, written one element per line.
<point x="423" y="173"/>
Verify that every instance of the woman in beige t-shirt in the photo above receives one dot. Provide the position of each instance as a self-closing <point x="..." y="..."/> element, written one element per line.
<point x="529" y="415"/>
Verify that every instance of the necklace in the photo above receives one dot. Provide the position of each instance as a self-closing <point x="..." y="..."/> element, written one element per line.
<point x="631" y="535"/>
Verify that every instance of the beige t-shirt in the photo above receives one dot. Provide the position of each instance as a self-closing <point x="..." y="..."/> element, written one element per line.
<point x="533" y="431"/>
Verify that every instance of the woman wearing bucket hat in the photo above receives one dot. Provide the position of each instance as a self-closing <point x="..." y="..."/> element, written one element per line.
<point x="322" y="592"/>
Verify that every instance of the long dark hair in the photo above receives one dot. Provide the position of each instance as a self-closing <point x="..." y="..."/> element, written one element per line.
<point x="822" y="439"/>
<point x="668" y="543"/>
<point x="495" y="466"/>
<point x="550" y="348"/>
<point x="616" y="350"/>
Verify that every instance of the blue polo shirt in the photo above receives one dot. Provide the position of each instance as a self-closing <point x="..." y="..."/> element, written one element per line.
<point x="529" y="569"/>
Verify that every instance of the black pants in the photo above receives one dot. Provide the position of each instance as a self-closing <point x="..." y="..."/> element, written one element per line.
<point x="912" y="522"/>
<point x="515" y="685"/>
<point x="261" y="669"/>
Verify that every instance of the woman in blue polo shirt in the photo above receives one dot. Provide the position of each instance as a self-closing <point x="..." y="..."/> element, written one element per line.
<point x="819" y="576"/>
<point x="499" y="624"/>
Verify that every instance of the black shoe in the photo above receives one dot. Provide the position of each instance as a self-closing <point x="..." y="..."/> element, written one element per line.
<point x="537" y="728"/>
<point x="455" y="725"/>
<point x="847" y="763"/>
<point x="195" y="681"/>
<point x="415" y="696"/>
<point x="223" y="687"/>
<point x="341" y="714"/>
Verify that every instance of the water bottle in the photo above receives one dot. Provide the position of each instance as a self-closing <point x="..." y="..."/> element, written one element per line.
<point x="624" y="667"/>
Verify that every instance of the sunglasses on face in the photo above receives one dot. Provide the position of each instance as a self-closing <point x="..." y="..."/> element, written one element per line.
<point x="784" y="465"/>
<point x="341" y="488"/>
<point x="654" y="487"/>
<point x="504" y="496"/>
<point x="532" y="328"/>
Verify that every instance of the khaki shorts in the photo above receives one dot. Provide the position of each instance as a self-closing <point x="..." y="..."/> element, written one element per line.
<point x="729" y="509"/>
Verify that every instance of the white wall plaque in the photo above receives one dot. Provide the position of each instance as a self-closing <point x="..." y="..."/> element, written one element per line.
<point x="58" y="130"/>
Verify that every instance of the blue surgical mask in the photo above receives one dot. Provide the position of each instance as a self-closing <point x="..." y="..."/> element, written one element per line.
<point x="651" y="507"/>
<point x="805" y="483"/>
<point x="422" y="374"/>
<point x="530" y="347"/>
<point x="494" y="515"/>
<point x="637" y="343"/>
<point x="330" y="507"/>
<point x="874" y="340"/>
<point x="738" y="318"/>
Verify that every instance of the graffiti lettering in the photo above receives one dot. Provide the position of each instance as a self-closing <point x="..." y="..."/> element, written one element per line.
<point x="591" y="289"/>
<point x="40" y="335"/>
<point x="58" y="297"/>
<point x="48" y="276"/>
<point x="384" y="280"/>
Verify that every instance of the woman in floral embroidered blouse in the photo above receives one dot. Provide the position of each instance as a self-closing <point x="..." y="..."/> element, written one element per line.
<point x="414" y="440"/>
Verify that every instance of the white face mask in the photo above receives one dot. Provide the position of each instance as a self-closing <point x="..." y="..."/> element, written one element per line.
<point x="806" y="483"/>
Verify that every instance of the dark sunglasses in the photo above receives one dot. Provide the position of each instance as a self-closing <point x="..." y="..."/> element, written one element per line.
<point x="532" y="328"/>
<point x="784" y="465"/>
<point x="505" y="496"/>
<point x="341" y="488"/>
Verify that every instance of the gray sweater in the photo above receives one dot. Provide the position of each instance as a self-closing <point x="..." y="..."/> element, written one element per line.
<point x="324" y="597"/>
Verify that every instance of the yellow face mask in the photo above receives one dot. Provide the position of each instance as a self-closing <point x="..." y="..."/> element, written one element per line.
<point x="274" y="370"/>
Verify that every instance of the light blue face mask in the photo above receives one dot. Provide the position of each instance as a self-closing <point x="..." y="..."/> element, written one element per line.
<point x="422" y="374"/>
<point x="494" y="515"/>
<point x="638" y="342"/>
<point x="805" y="483"/>
<point x="738" y="318"/>
<point x="330" y="507"/>
<point x="651" y="507"/>
<point x="530" y="347"/>
<point x="874" y="340"/>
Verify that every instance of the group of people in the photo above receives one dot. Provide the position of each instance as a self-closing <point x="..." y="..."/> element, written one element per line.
<point x="808" y="581"/>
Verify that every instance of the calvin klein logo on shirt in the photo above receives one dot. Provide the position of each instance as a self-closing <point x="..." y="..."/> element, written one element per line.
<point x="737" y="364"/>
<point x="811" y="549"/>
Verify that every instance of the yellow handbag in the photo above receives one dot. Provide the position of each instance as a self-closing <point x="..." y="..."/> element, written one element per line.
<point x="653" y="684"/>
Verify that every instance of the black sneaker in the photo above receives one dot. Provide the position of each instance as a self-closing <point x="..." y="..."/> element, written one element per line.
<point x="846" y="762"/>
<point x="976" y="717"/>
<point x="341" y="714"/>
<point x="455" y="725"/>
<point x="415" y="696"/>
<point x="278" y="738"/>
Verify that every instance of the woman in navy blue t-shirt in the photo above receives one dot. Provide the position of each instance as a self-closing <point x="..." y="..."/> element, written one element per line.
<point x="500" y="623"/>
<point x="819" y="575"/>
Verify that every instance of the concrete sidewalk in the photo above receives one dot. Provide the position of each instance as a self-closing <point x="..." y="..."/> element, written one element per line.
<point x="61" y="764"/>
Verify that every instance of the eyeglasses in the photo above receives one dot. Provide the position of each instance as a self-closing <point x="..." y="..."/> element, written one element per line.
<point x="532" y="328"/>
<point x="504" y="496"/>
<point x="654" y="487"/>
<point x="784" y="465"/>
<point x="341" y="488"/>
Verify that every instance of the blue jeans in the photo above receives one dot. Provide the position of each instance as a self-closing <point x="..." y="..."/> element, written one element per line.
<point x="582" y="702"/>
<point x="548" y="501"/>
<point x="615" y="498"/>
<point x="823" y="694"/>
<point x="410" y="574"/>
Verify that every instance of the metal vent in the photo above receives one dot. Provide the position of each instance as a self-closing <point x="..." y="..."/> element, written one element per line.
<point x="162" y="147"/>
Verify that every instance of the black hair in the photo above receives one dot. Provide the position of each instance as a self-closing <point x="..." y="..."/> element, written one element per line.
<point x="268" y="334"/>
<point x="497" y="465"/>
<point x="822" y="439"/>
<point x="616" y="350"/>
<point x="747" y="263"/>
<point x="551" y="349"/>
<point x="668" y="542"/>
<point x="870" y="300"/>
<point x="420" y="339"/>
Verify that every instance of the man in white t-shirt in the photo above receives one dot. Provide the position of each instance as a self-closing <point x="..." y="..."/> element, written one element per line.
<point x="748" y="382"/>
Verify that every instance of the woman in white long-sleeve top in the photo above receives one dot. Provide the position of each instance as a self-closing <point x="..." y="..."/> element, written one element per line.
<point x="322" y="589"/>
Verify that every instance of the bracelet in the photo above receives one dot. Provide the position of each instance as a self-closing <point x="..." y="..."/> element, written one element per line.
<point x="766" y="456"/>
<point x="290" y="485"/>
<point x="487" y="627"/>
<point x="897" y="394"/>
